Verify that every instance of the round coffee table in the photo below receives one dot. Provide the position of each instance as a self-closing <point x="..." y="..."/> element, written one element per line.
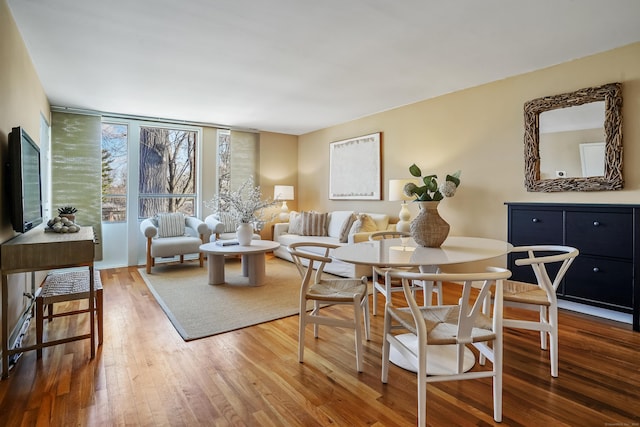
<point x="253" y="260"/>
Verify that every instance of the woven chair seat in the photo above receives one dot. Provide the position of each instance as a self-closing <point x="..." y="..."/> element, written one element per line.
<point x="442" y="323"/>
<point x="526" y="293"/>
<point x="68" y="286"/>
<point x="339" y="290"/>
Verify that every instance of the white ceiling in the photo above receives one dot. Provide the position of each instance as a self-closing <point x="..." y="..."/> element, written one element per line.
<point x="294" y="66"/>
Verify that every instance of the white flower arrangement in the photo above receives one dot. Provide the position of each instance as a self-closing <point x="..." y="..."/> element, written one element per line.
<point x="245" y="204"/>
<point x="431" y="191"/>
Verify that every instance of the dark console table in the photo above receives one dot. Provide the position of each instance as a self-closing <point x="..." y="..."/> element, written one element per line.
<point x="607" y="272"/>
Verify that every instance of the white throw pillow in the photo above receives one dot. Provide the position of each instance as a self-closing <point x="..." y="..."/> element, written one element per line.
<point x="295" y="222"/>
<point x="337" y="219"/>
<point x="171" y="224"/>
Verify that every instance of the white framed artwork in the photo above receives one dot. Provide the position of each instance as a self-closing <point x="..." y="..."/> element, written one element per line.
<point x="354" y="168"/>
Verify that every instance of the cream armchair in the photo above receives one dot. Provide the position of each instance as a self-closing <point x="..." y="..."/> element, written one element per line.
<point x="222" y="227"/>
<point x="169" y="235"/>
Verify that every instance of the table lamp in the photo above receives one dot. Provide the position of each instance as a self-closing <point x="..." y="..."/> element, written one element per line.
<point x="396" y="192"/>
<point x="284" y="193"/>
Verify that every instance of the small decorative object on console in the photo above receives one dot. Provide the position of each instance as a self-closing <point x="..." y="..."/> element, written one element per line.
<point x="62" y="224"/>
<point x="67" y="212"/>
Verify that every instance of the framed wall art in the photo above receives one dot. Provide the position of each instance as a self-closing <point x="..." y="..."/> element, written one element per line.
<point x="354" y="168"/>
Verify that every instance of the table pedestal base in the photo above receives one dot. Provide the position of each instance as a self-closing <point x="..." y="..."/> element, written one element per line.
<point x="441" y="359"/>
<point x="253" y="267"/>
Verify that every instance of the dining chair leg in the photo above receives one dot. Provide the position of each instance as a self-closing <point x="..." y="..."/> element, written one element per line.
<point x="439" y="293"/>
<point x="553" y="338"/>
<point x="375" y="301"/>
<point x="386" y="346"/>
<point x="302" y="323"/>
<point x="374" y="280"/>
<point x="497" y="379"/>
<point x="99" y="312"/>
<point x="39" y="325"/>
<point x="367" y="318"/>
<point x="316" y="326"/>
<point x="422" y="387"/>
<point x="358" y="332"/>
<point x="544" y="320"/>
<point x="486" y="309"/>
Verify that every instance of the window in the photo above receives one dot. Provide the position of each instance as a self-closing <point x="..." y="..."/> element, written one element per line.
<point x="114" y="172"/>
<point x="167" y="171"/>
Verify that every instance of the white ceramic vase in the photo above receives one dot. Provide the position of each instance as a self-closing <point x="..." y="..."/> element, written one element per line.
<point x="244" y="233"/>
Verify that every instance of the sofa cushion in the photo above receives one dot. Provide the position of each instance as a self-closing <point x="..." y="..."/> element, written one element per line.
<point x="171" y="224"/>
<point x="179" y="245"/>
<point x="381" y="220"/>
<point x="287" y="239"/>
<point x="346" y="228"/>
<point x="295" y="222"/>
<point x="363" y="223"/>
<point x="337" y="220"/>
<point x="314" y="223"/>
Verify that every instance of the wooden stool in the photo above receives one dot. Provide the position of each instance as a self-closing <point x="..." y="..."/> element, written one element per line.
<point x="66" y="286"/>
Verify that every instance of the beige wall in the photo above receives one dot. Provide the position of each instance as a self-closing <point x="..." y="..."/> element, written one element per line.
<point x="22" y="102"/>
<point x="479" y="131"/>
<point x="278" y="166"/>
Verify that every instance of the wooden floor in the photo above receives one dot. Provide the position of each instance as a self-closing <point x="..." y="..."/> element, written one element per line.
<point x="145" y="374"/>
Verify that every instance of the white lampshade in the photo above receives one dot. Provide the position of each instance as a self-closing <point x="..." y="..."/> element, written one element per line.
<point x="396" y="189"/>
<point x="283" y="192"/>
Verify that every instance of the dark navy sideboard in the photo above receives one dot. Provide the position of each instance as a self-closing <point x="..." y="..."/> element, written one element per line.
<point x="607" y="272"/>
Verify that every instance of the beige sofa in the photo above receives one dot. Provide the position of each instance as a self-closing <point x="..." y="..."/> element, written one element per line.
<point x="335" y="227"/>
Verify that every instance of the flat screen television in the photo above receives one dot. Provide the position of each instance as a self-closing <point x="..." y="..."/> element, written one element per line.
<point x="24" y="181"/>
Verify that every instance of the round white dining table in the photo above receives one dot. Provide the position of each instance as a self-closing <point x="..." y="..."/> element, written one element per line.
<point x="405" y="252"/>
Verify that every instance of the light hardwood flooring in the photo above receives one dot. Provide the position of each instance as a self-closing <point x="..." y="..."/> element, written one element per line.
<point x="145" y="374"/>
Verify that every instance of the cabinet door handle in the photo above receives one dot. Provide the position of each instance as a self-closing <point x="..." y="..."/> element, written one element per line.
<point x="596" y="269"/>
<point x="596" y="223"/>
<point x="535" y="220"/>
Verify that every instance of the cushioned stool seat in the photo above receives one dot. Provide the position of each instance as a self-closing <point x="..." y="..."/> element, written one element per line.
<point x="64" y="286"/>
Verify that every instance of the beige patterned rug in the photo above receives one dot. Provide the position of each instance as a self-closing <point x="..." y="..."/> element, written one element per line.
<point x="199" y="310"/>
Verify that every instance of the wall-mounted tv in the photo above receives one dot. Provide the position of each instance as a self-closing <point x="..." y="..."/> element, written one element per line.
<point x="24" y="181"/>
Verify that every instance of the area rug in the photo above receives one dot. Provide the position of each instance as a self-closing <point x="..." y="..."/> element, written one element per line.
<point x="199" y="310"/>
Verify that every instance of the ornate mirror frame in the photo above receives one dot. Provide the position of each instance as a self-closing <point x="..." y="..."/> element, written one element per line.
<point x="611" y="94"/>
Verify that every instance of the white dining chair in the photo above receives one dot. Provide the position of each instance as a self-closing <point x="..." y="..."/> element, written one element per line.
<point x="540" y="296"/>
<point x="454" y="325"/>
<point x="323" y="291"/>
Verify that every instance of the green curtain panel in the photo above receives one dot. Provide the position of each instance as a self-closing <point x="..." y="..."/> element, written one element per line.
<point x="76" y="169"/>
<point x="244" y="157"/>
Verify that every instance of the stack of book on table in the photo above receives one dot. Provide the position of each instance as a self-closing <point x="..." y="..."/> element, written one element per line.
<point x="229" y="242"/>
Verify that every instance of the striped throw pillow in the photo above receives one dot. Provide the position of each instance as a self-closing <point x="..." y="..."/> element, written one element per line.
<point x="171" y="224"/>
<point x="314" y="224"/>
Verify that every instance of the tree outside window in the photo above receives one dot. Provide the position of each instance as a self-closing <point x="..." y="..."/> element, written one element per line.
<point x="167" y="171"/>
<point x="114" y="172"/>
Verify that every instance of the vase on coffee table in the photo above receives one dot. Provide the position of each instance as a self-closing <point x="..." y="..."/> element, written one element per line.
<point x="244" y="233"/>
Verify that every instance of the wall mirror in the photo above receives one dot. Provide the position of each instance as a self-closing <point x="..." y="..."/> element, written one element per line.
<point x="573" y="141"/>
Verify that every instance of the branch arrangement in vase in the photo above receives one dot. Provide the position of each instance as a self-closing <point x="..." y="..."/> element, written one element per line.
<point x="245" y="204"/>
